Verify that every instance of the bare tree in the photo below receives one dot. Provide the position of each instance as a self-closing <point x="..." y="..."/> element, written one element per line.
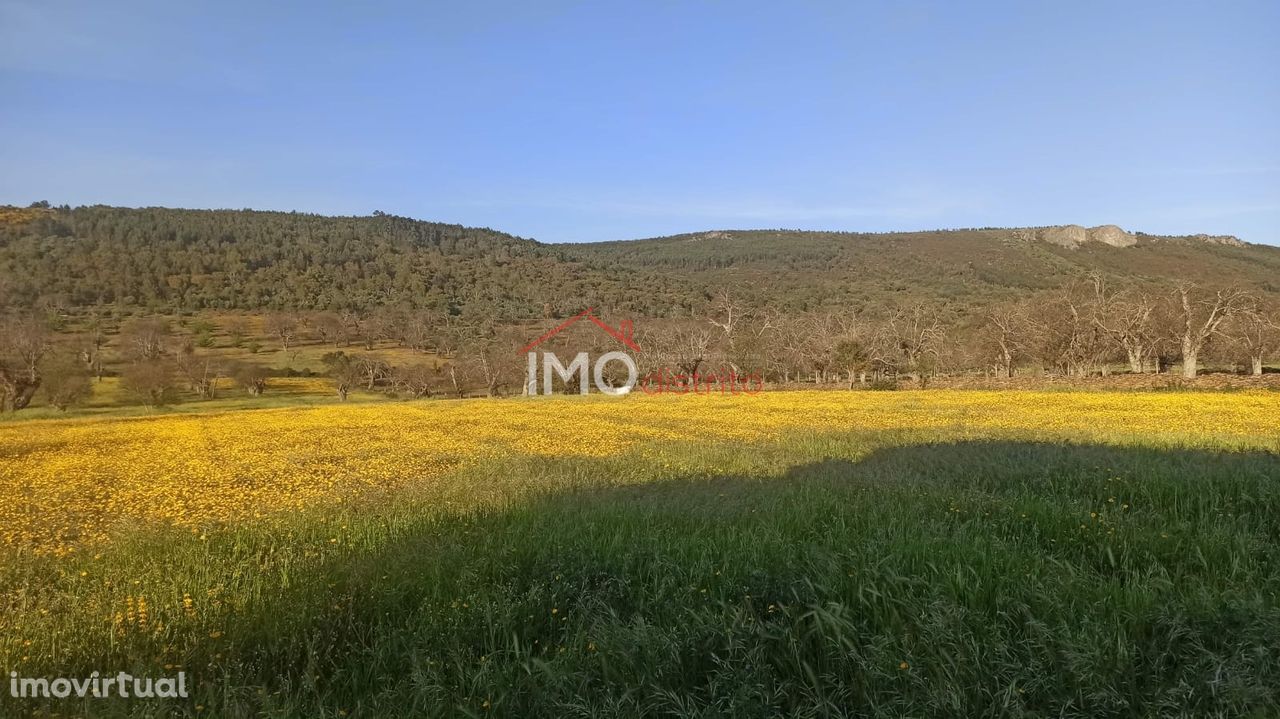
<point x="448" y="339"/>
<point x="729" y="316"/>
<point x="353" y="326"/>
<point x="755" y="349"/>
<point x="250" y="377"/>
<point x="283" y="326"/>
<point x="1126" y="318"/>
<point x="414" y="380"/>
<point x="201" y="371"/>
<point x="1004" y="336"/>
<point x="329" y="328"/>
<point x="344" y="371"/>
<point x="372" y="371"/>
<point x="420" y="330"/>
<point x="145" y="338"/>
<point x="1200" y="314"/>
<point x="91" y="344"/>
<point x="918" y="334"/>
<point x="65" y="382"/>
<point x="1256" y="329"/>
<point x="494" y="350"/>
<point x="813" y="344"/>
<point x="1065" y="334"/>
<point x="677" y="345"/>
<point x="24" y="340"/>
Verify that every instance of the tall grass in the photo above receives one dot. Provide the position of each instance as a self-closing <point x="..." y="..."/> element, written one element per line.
<point x="850" y="574"/>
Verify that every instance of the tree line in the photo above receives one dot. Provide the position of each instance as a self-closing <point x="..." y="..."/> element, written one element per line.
<point x="1089" y="327"/>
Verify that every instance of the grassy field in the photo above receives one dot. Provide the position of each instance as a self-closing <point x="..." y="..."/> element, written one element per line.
<point x="935" y="553"/>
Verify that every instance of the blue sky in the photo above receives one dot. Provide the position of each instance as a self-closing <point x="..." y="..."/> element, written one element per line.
<point x="573" y="121"/>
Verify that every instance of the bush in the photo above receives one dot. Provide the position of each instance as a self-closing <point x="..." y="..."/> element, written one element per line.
<point x="151" y="382"/>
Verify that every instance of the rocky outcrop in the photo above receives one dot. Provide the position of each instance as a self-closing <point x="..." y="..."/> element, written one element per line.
<point x="1073" y="236"/>
<point x="1112" y="235"/>
<point x="1070" y="236"/>
<point x="1231" y="240"/>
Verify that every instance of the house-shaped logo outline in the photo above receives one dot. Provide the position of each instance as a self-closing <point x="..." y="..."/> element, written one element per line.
<point x="622" y="333"/>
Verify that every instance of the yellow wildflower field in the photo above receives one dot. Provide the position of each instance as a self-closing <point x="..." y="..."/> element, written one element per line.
<point x="65" y="484"/>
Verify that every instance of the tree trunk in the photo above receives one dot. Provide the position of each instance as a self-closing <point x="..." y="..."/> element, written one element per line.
<point x="1190" y="362"/>
<point x="1257" y="365"/>
<point x="23" y="398"/>
<point x="1135" y="360"/>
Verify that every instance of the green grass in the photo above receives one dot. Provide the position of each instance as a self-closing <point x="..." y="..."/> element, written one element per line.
<point x="826" y="575"/>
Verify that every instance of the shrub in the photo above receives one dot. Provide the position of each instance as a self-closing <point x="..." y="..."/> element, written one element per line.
<point x="150" y="381"/>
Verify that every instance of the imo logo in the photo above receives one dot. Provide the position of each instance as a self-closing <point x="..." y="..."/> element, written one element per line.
<point x="688" y="380"/>
<point x="551" y="366"/>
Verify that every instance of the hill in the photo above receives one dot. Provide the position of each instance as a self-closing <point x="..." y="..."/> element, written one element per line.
<point x="178" y="260"/>
<point x="805" y="270"/>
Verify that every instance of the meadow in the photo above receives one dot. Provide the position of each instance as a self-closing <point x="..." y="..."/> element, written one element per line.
<point x="913" y="553"/>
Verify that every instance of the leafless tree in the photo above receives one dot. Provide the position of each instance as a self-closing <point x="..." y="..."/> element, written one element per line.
<point x="344" y="370"/>
<point x="729" y="316"/>
<point x="1005" y="335"/>
<point x="678" y="346"/>
<point x="65" y="382"/>
<point x="364" y="327"/>
<point x="373" y="371"/>
<point x="145" y="338"/>
<point x="1200" y="313"/>
<point x="756" y="348"/>
<point x="201" y="371"/>
<point x="250" y="377"/>
<point x="415" y="380"/>
<point x="918" y="334"/>
<point x="420" y="330"/>
<point x="1256" y="329"/>
<point x="24" y="340"/>
<point x="496" y="353"/>
<point x="329" y="328"/>
<point x="1127" y="319"/>
<point x="813" y="341"/>
<point x="1065" y="334"/>
<point x="90" y="344"/>
<point x="283" y="326"/>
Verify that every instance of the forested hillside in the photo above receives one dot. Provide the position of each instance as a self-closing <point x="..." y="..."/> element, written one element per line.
<point x="160" y="298"/>
<point x="175" y="260"/>
<point x="172" y="260"/>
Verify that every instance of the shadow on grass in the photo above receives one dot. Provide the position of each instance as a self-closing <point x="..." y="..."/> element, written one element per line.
<point x="951" y="579"/>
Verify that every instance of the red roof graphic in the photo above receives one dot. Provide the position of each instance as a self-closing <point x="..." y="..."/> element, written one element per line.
<point x="623" y="333"/>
